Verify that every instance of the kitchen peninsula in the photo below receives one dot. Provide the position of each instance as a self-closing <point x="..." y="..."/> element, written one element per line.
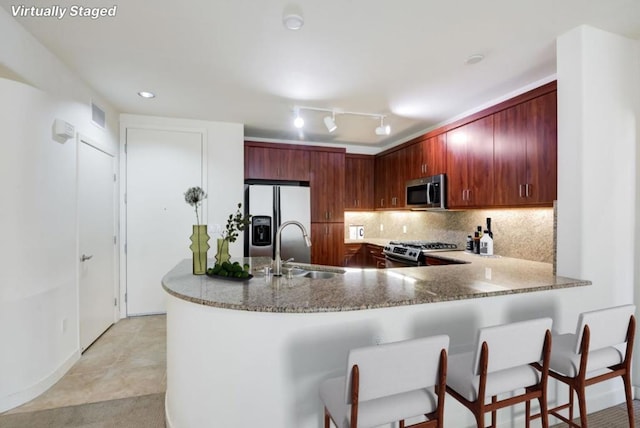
<point x="253" y="353"/>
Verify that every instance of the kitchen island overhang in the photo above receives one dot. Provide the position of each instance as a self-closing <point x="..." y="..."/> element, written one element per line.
<point x="254" y="353"/>
<point x="358" y="289"/>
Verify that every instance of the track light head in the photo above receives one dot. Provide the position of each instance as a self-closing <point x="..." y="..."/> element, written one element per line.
<point x="382" y="129"/>
<point x="298" y="121"/>
<point x="330" y="122"/>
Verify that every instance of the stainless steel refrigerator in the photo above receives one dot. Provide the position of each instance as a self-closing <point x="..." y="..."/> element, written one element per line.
<point x="270" y="206"/>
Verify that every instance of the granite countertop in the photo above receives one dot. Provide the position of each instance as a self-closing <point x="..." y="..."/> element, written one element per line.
<point x="357" y="289"/>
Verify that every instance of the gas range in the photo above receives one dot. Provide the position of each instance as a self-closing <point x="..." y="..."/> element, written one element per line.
<point x="412" y="252"/>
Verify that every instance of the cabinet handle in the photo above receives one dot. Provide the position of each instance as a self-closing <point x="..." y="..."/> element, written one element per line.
<point x="355" y="202"/>
<point x="326" y="230"/>
<point x="527" y="188"/>
<point x="520" y="190"/>
<point x="382" y="202"/>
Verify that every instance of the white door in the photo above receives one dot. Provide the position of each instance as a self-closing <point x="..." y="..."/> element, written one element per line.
<point x="161" y="166"/>
<point x="96" y="247"/>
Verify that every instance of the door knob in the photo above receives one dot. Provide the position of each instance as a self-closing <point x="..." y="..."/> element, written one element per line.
<point x="85" y="258"/>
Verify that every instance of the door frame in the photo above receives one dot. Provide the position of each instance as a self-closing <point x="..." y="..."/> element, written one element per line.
<point x="151" y="124"/>
<point x="83" y="139"/>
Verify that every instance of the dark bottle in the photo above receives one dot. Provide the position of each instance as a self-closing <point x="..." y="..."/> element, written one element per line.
<point x="469" y="243"/>
<point x="489" y="227"/>
<point x="476" y="243"/>
<point x="479" y="231"/>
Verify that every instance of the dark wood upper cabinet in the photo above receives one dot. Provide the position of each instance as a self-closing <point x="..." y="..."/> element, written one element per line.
<point x="434" y="155"/>
<point x="273" y="163"/>
<point x="359" y="182"/>
<point x="470" y="164"/>
<point x="525" y="160"/>
<point x="390" y="170"/>
<point x="327" y="186"/>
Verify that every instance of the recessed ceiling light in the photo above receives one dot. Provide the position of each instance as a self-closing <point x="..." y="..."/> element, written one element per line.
<point x="474" y="59"/>
<point x="293" y="21"/>
<point x="146" y="94"/>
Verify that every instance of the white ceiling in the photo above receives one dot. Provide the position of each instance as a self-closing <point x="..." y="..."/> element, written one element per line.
<point x="233" y="60"/>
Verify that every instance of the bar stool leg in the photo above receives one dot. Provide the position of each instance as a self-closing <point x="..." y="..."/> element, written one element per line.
<point x="582" y="404"/>
<point x="629" y="396"/>
<point x="327" y="419"/>
<point x="527" y="416"/>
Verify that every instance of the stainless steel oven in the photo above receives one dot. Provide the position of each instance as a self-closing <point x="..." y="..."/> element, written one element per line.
<point x="412" y="253"/>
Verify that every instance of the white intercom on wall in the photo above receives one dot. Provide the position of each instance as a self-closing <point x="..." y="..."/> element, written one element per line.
<point x="63" y="129"/>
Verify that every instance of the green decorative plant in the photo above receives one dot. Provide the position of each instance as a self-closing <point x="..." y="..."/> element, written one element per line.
<point x="236" y="223"/>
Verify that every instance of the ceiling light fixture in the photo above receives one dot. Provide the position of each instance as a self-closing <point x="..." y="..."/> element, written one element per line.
<point x="382" y="129"/>
<point x="293" y="21"/>
<point x="330" y="121"/>
<point x="298" y="121"/>
<point x="474" y="59"/>
<point x="146" y="94"/>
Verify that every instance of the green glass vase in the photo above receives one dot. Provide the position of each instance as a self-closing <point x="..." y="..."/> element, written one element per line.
<point x="223" y="251"/>
<point x="199" y="247"/>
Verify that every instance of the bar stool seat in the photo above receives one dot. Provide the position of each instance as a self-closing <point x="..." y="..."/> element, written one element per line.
<point x="389" y="383"/>
<point x="565" y="360"/>
<point x="460" y="379"/>
<point x="378" y="411"/>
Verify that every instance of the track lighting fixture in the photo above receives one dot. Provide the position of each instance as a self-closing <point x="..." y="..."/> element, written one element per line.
<point x="330" y="121"/>
<point x="298" y="122"/>
<point x="383" y="130"/>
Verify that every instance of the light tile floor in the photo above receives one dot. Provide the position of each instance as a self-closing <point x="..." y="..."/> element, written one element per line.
<point x="129" y="359"/>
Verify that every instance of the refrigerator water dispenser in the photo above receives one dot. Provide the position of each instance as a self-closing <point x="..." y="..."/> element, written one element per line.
<point x="261" y="231"/>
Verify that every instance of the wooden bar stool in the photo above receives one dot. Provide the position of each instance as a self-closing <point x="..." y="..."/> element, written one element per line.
<point x="389" y="383"/>
<point x="507" y="358"/>
<point x="603" y="342"/>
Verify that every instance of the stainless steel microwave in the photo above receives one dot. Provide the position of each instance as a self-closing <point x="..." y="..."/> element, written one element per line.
<point x="428" y="193"/>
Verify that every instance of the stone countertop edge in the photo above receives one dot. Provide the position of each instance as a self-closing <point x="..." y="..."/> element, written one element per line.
<point x="359" y="289"/>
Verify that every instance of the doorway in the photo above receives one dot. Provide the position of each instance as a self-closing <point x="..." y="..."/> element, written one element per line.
<point x="96" y="241"/>
<point x="160" y="166"/>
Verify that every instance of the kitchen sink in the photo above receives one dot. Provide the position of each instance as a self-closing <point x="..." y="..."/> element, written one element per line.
<point x="318" y="274"/>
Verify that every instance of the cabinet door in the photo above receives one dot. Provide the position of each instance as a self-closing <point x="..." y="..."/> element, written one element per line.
<point x="510" y="148"/>
<point x="457" y="168"/>
<point x="470" y="163"/>
<point x="542" y="149"/>
<point x="380" y="182"/>
<point x="397" y="177"/>
<point x="327" y="186"/>
<point x="353" y="255"/>
<point x="268" y="163"/>
<point x="359" y="182"/>
<point x="327" y="244"/>
<point x="414" y="165"/>
<point x="433" y="155"/>
<point x="375" y="257"/>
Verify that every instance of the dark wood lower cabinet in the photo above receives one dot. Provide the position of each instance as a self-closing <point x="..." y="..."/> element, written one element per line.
<point x="354" y="255"/>
<point x="327" y="244"/>
<point x="375" y="256"/>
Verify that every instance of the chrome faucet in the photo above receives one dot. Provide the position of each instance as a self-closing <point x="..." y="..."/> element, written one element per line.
<point x="277" y="268"/>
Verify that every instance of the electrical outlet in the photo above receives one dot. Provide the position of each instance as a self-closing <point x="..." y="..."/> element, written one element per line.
<point x="381" y="227"/>
<point x="404" y="229"/>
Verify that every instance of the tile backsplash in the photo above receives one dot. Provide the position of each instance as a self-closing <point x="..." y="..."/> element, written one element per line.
<point x="525" y="233"/>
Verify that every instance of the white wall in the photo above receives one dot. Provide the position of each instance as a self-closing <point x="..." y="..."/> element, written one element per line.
<point x="38" y="249"/>
<point x="597" y="164"/>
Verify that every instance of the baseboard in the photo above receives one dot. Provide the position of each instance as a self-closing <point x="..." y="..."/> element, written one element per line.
<point x="167" y="417"/>
<point x="19" y="398"/>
